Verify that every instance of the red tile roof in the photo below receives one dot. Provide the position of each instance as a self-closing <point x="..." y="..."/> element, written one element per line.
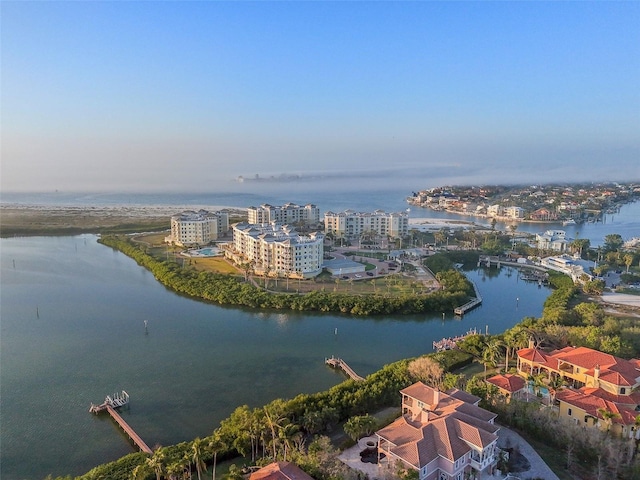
<point x="280" y="471"/>
<point x="510" y="383"/>
<point x="614" y="370"/>
<point x="591" y="404"/>
<point x="452" y="426"/>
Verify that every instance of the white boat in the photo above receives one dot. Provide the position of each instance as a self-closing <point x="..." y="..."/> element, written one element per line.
<point x="571" y="221"/>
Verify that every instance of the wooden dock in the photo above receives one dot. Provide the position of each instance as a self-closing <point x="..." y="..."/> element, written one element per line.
<point x="341" y="364"/>
<point x="451" y="342"/>
<point x="135" y="438"/>
<point x="109" y="405"/>
<point x="471" y="304"/>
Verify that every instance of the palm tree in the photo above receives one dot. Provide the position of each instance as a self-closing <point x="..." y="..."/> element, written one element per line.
<point x="216" y="445"/>
<point x="156" y="462"/>
<point x="287" y="434"/>
<point x="141" y="471"/>
<point x="492" y="353"/>
<point x="608" y="417"/>
<point x="197" y="450"/>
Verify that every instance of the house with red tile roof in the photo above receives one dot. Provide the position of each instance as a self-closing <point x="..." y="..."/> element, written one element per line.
<point x="604" y="388"/>
<point x="442" y="435"/>
<point x="280" y="471"/>
<point x="509" y="385"/>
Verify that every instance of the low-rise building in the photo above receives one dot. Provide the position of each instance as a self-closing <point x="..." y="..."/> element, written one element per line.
<point x="441" y="435"/>
<point x="603" y="388"/>
<point x="353" y="224"/>
<point x="514" y="212"/>
<point x="287" y="214"/>
<point x="191" y="228"/>
<point x="277" y="250"/>
<point x="509" y="386"/>
<point x="552" y="240"/>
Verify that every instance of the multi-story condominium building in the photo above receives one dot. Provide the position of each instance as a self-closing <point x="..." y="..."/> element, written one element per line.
<point x="277" y="250"/>
<point x="495" y="210"/>
<point x="352" y="224"/>
<point x="287" y="214"/>
<point x="198" y="228"/>
<point x="604" y="388"/>
<point x="514" y="212"/>
<point x="442" y="435"/>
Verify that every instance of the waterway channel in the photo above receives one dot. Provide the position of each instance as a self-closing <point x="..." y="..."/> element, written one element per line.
<point x="73" y="330"/>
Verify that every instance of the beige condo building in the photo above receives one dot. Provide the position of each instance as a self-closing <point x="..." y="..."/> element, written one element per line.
<point x="352" y="224"/>
<point x="191" y="228"/>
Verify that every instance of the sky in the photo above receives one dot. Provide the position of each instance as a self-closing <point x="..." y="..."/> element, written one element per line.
<point x="187" y="96"/>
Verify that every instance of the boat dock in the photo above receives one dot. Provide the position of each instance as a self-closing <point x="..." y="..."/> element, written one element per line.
<point x="109" y="405"/>
<point x="471" y="304"/>
<point x="451" y="342"/>
<point x="341" y="364"/>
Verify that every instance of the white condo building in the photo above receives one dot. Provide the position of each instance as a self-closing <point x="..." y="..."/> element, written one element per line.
<point x="289" y="213"/>
<point x="351" y="224"/>
<point x="275" y="249"/>
<point x="198" y="228"/>
<point x="552" y="240"/>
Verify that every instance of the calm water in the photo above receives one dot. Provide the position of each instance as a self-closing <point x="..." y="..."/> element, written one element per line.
<point x="361" y="197"/>
<point x="73" y="331"/>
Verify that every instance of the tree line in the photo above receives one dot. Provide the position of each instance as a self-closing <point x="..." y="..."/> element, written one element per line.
<point x="231" y="290"/>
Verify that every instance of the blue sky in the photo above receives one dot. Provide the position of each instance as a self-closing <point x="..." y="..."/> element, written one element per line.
<point x="185" y="95"/>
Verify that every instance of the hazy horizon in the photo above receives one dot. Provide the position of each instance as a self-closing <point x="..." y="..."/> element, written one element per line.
<point x="187" y="96"/>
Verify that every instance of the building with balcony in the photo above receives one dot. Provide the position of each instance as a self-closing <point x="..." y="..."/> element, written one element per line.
<point x="277" y="250"/>
<point x="191" y="228"/>
<point x="442" y="435"/>
<point x="352" y="224"/>
<point x="287" y="214"/>
<point x="602" y="388"/>
<point x="552" y="240"/>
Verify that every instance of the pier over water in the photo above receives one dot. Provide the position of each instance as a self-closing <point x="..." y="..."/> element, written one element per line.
<point x="109" y="405"/>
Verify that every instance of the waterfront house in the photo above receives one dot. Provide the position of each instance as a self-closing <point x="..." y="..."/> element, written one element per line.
<point x="442" y="435"/>
<point x="509" y="386"/>
<point x="602" y="387"/>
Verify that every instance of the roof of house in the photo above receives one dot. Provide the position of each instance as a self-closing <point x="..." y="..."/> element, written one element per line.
<point x="280" y="471"/>
<point x="614" y="370"/>
<point x="592" y="404"/>
<point x="448" y="429"/>
<point x="510" y="383"/>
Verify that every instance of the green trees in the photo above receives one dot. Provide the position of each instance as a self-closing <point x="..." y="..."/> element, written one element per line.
<point x="197" y="452"/>
<point x="230" y="290"/>
<point x="359" y="426"/>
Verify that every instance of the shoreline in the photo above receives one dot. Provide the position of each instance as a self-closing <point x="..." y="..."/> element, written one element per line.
<point x="38" y="219"/>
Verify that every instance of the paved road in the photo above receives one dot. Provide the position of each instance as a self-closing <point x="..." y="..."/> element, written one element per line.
<point x="539" y="469"/>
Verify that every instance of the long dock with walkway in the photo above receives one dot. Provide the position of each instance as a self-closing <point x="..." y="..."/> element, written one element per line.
<point x="339" y="363"/>
<point x="470" y="305"/>
<point x="109" y="405"/>
<point x="135" y="438"/>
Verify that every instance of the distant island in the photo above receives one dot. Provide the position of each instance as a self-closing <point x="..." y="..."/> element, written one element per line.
<point x="567" y="203"/>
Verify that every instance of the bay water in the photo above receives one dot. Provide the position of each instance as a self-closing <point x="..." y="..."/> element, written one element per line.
<point x="72" y="331"/>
